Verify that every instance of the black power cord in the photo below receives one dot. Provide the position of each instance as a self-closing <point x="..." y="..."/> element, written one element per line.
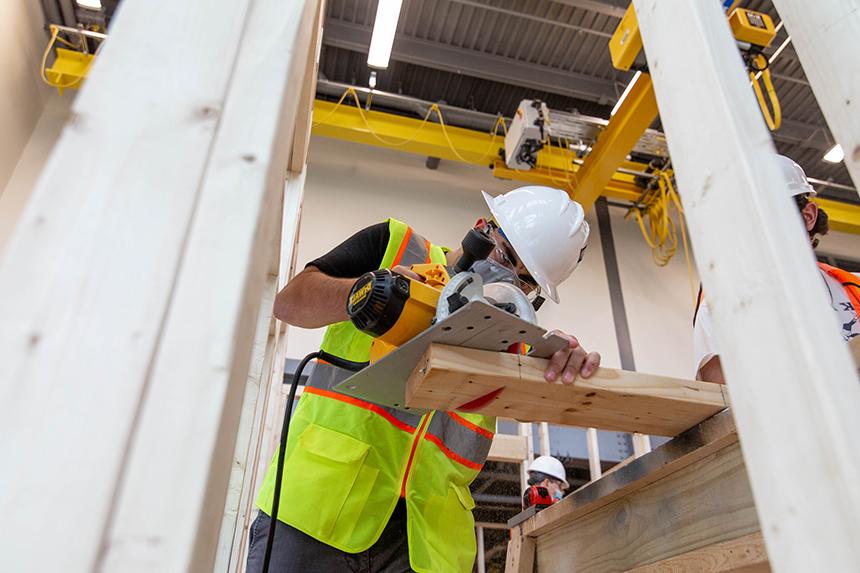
<point x="282" y="451"/>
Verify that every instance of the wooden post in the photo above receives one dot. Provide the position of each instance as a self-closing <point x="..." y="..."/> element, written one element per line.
<point x="594" y="469"/>
<point x="137" y="272"/>
<point x="794" y="390"/>
<point x="641" y="444"/>
<point x="525" y="429"/>
<point x="479" y="532"/>
<point x="824" y="34"/>
<point x="521" y="553"/>
<point x="543" y="434"/>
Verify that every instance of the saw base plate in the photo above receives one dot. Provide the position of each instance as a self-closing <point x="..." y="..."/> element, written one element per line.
<point x="477" y="325"/>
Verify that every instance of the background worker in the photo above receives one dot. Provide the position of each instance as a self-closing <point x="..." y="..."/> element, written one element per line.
<point x="549" y="472"/>
<point x="371" y="488"/>
<point x="842" y="288"/>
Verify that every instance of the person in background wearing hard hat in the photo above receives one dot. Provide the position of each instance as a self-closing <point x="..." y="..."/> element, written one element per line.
<point x="548" y="472"/>
<point x="842" y="288"/>
<point x="371" y="488"/>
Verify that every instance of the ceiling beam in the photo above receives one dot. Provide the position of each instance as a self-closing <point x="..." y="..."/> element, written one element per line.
<point x="439" y="56"/>
<point x="534" y="18"/>
<point x="614" y="8"/>
<point x="803" y="134"/>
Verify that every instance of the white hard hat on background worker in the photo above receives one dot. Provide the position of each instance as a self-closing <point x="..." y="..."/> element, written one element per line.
<point x="550" y="466"/>
<point x="547" y="230"/>
<point x="795" y="177"/>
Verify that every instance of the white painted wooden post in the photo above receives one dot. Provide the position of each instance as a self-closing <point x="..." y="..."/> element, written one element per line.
<point x="137" y="272"/>
<point x="594" y="469"/>
<point x="525" y="429"/>
<point x="794" y="389"/>
<point x="543" y="435"/>
<point x="825" y="36"/>
<point x="253" y="405"/>
<point x="479" y="532"/>
<point x="270" y="415"/>
<point x="641" y="444"/>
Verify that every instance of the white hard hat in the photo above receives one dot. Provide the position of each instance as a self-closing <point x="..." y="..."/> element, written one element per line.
<point x="796" y="177"/>
<point x="550" y="466"/>
<point x="547" y="230"/>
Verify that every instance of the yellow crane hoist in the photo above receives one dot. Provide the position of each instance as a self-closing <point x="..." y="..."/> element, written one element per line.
<point x="71" y="64"/>
<point x="757" y="30"/>
<point x="754" y="32"/>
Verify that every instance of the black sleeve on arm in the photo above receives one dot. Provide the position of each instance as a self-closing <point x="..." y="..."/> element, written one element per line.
<point x="361" y="253"/>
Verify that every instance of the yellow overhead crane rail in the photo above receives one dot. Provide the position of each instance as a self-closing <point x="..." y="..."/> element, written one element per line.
<point x="556" y="165"/>
<point x="425" y="138"/>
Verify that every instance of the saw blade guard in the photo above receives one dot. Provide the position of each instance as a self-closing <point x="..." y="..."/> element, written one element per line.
<point x="468" y="286"/>
<point x="506" y="293"/>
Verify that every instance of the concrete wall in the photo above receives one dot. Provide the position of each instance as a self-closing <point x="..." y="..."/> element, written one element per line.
<point x="22" y="93"/>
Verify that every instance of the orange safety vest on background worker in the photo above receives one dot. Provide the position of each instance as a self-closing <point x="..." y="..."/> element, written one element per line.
<point x="349" y="461"/>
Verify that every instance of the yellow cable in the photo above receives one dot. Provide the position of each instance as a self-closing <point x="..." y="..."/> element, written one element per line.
<point x="434" y="108"/>
<point x="656" y="218"/>
<point x="773" y="120"/>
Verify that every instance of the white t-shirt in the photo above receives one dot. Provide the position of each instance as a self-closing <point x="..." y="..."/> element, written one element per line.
<point x="705" y="344"/>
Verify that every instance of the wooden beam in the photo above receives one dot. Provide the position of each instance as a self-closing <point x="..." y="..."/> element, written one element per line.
<point x="206" y="339"/>
<point x="794" y="389"/>
<point x="705" y="503"/>
<point x="449" y="377"/>
<point x="521" y="553"/>
<point x="508" y="448"/>
<point x="745" y="554"/>
<point x="137" y="271"/>
<point x="634" y="474"/>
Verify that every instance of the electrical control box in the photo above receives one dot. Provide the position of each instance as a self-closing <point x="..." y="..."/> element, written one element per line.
<point x="752" y="27"/>
<point x="526" y="134"/>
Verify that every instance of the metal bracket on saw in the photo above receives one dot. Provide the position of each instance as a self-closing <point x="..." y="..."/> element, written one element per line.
<point x="477" y="325"/>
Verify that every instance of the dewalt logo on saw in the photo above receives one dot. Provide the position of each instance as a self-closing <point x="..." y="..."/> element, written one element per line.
<point x="360" y="294"/>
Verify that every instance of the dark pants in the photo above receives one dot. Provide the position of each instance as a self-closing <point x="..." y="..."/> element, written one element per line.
<point x="294" y="551"/>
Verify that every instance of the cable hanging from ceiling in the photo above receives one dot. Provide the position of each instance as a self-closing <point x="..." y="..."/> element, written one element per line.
<point x="660" y="216"/>
<point x="434" y="109"/>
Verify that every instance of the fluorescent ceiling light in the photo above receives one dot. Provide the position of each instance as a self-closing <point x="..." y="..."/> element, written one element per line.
<point x="624" y="95"/>
<point x="387" y="14"/>
<point x="90" y="4"/>
<point x="835" y="154"/>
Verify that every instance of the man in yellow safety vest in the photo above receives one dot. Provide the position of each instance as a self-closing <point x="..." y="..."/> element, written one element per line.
<point x="372" y="488"/>
<point x="842" y="287"/>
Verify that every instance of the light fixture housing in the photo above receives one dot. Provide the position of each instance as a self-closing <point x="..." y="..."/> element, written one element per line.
<point x="384" y="27"/>
<point x="834" y="154"/>
<point x="624" y="94"/>
<point x="90" y="4"/>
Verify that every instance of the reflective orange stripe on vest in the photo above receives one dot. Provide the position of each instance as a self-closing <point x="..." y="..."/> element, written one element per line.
<point x="457" y="439"/>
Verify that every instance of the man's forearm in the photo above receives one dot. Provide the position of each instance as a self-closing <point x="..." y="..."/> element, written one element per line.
<point x="313" y="299"/>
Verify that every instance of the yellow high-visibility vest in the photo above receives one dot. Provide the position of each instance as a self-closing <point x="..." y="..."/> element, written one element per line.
<point x="349" y="461"/>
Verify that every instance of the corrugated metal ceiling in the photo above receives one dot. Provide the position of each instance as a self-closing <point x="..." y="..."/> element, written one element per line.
<point x="460" y="52"/>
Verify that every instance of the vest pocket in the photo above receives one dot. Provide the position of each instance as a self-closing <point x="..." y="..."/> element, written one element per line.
<point x="320" y="474"/>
